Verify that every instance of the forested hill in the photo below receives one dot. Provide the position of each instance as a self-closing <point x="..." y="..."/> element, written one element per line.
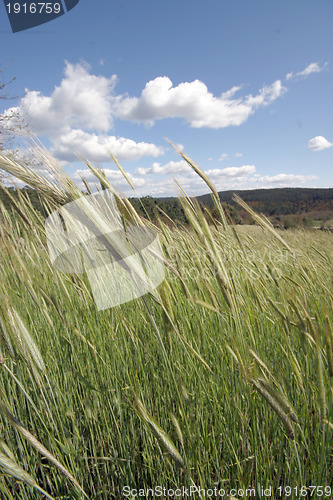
<point x="280" y="201"/>
<point x="286" y="206"/>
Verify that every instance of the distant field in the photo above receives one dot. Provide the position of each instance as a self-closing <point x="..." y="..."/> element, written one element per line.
<point x="222" y="379"/>
<point x="320" y="222"/>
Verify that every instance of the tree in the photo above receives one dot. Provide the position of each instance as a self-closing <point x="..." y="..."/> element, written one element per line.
<point x="11" y="123"/>
<point x="5" y="127"/>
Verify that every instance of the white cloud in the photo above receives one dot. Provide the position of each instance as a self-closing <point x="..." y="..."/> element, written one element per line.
<point x="231" y="92"/>
<point x="81" y="100"/>
<point x="318" y="143"/>
<point x="181" y="167"/>
<point x="227" y="178"/>
<point x="231" y="171"/>
<point x="193" y="185"/>
<point x="179" y="147"/>
<point x="86" y="101"/>
<point x="230" y="178"/>
<point x="192" y="101"/>
<point x="223" y="157"/>
<point x="311" y="68"/>
<point x="246" y="179"/>
<point x="79" y="113"/>
<point x="222" y="180"/>
<point x="238" y="155"/>
<point x="115" y="177"/>
<point x="81" y="103"/>
<point x="286" y="179"/>
<point x="97" y="148"/>
<point x="172" y="167"/>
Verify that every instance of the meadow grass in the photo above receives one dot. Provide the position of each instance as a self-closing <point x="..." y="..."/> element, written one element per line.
<point x="223" y="378"/>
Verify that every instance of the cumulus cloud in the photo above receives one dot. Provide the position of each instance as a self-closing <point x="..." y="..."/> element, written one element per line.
<point x="281" y="180"/>
<point x="231" y="171"/>
<point x="193" y="102"/>
<point x="78" y="115"/>
<point x="181" y="167"/>
<point x="81" y="100"/>
<point x="318" y="143"/>
<point x="223" y="179"/>
<point x="81" y="103"/>
<point x="193" y="185"/>
<point x="114" y="176"/>
<point x="86" y="101"/>
<point x="98" y="147"/>
<point x="172" y="167"/>
<point x="245" y="179"/>
<point x="227" y="178"/>
<point x="311" y="68"/>
<point x="223" y="157"/>
<point x="230" y="178"/>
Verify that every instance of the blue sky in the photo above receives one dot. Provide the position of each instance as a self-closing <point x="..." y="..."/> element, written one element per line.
<point x="243" y="86"/>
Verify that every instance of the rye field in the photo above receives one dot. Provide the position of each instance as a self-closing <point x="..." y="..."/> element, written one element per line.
<point x="217" y="385"/>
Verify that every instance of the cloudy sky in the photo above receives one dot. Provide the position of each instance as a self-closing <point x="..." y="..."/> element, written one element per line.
<point x="243" y="87"/>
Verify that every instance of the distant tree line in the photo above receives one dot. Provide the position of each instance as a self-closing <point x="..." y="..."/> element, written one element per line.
<point x="154" y="208"/>
<point x="31" y="193"/>
<point x="147" y="207"/>
<point x="286" y="207"/>
<point x="280" y="201"/>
